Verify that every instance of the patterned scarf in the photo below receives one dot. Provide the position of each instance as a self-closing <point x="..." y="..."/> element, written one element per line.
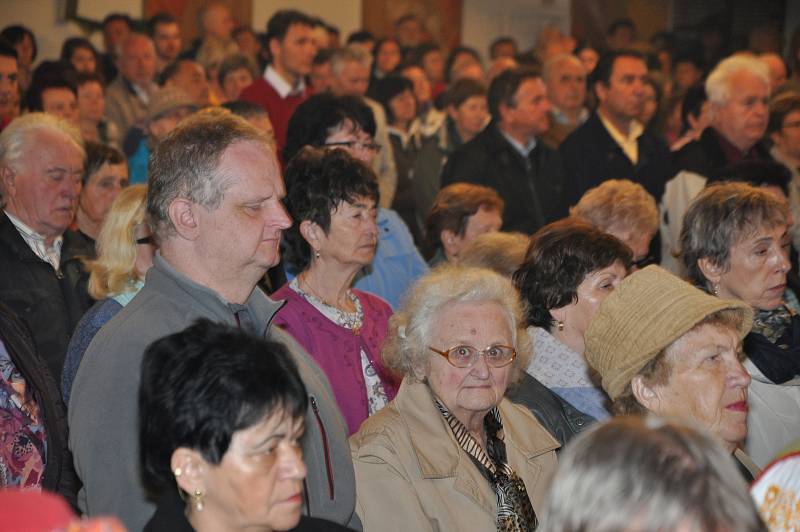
<point x="514" y="510"/>
<point x="773" y="344"/>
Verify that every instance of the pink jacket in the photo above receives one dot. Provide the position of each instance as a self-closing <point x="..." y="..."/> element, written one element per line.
<point x="338" y="351"/>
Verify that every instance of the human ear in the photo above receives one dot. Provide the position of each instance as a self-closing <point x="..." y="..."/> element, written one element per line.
<point x="710" y="270"/>
<point x="183" y="217"/>
<point x="451" y="243"/>
<point x="645" y="393"/>
<point x="189" y="468"/>
<point x="8" y="179"/>
<point x="312" y="233"/>
<point x="601" y="91"/>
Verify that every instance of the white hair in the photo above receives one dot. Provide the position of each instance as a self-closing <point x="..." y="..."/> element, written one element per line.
<point x="349" y="54"/>
<point x="16" y="137"/>
<point x="656" y="474"/>
<point x="718" y="84"/>
<point x="556" y="61"/>
<point x="411" y="327"/>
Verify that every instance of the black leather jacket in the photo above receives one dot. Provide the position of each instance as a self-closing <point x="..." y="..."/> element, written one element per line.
<point x="560" y="418"/>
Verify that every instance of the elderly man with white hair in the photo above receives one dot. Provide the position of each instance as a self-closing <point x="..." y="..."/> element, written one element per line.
<point x="41" y="165"/>
<point x="350" y="67"/>
<point x="738" y="92"/>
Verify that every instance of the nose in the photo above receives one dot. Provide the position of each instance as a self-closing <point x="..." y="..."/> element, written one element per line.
<point x="738" y="376"/>
<point x="783" y="265"/>
<point x="292" y="464"/>
<point x="372" y="227"/>
<point x="480" y="369"/>
<point x="280" y="217"/>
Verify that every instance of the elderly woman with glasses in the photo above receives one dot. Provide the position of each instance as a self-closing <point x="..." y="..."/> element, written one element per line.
<point x="735" y="242"/>
<point x="451" y="452"/>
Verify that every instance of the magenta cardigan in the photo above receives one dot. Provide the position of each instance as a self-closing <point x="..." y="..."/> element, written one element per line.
<point x="338" y="351"/>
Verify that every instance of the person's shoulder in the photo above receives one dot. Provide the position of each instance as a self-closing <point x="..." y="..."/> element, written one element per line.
<point x="386" y="428"/>
<point x="589" y="130"/>
<point x="373" y="300"/>
<point x="313" y="524"/>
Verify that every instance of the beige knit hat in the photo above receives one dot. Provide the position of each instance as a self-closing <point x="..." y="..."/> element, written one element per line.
<point x="648" y="311"/>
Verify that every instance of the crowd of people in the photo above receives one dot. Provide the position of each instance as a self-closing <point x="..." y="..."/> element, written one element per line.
<point x="282" y="282"/>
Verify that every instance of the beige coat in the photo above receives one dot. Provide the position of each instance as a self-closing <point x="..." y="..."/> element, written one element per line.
<point x="411" y="473"/>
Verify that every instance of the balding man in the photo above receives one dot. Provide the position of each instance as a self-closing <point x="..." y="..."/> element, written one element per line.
<point x="41" y="164"/>
<point x="215" y="176"/>
<point x="128" y="95"/>
<point x="776" y="67"/>
<point x="565" y="78"/>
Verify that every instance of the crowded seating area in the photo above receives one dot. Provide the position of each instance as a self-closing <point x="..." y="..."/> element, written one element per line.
<point x="279" y="278"/>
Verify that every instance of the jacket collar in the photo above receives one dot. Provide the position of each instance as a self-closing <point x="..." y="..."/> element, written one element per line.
<point x="440" y="456"/>
<point x="438" y="453"/>
<point x="162" y="278"/>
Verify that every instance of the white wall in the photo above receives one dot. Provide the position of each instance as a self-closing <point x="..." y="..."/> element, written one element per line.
<point x="344" y="14"/>
<point x="521" y="19"/>
<point x="46" y="19"/>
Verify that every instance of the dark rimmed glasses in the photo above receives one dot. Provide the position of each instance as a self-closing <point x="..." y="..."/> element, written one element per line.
<point x="465" y="356"/>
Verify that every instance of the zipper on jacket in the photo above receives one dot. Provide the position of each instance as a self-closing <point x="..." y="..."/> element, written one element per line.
<point x="325" y="448"/>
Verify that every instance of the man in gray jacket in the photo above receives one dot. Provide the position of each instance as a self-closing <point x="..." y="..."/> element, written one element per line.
<point x="214" y="205"/>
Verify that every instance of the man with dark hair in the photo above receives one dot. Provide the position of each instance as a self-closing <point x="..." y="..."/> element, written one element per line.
<point x="687" y="70"/>
<point x="213" y="177"/>
<point x="53" y="90"/>
<point x="9" y="84"/>
<point x="509" y="157"/>
<point x="116" y="28"/>
<point x="282" y="87"/>
<point x="321" y="77"/>
<point x="409" y="31"/>
<point x="621" y="34"/>
<point x="612" y="144"/>
<point x="363" y="38"/>
<point x="503" y="47"/>
<point x="166" y="35"/>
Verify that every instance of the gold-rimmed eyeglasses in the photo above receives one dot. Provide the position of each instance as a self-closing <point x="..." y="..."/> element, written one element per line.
<point x="465" y="356"/>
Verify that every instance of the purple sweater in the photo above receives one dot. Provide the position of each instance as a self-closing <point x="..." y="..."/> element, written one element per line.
<point x="338" y="351"/>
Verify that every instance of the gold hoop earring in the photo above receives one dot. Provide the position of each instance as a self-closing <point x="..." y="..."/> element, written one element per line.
<point x="560" y="325"/>
<point x="716" y="290"/>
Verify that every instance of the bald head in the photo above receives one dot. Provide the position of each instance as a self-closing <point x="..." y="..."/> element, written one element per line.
<point x="137" y="59"/>
<point x="565" y="78"/>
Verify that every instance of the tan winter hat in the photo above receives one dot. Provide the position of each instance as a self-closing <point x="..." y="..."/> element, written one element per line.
<point x="648" y="311"/>
<point x="167" y="100"/>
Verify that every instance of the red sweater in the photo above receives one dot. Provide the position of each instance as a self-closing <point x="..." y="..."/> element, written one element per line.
<point x="279" y="109"/>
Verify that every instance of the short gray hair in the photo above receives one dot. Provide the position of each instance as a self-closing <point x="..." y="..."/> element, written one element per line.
<point x="719" y="217"/>
<point x="618" y="204"/>
<point x="22" y="130"/>
<point x="718" y="83"/>
<point x="351" y="53"/>
<point x="556" y="61"/>
<point x="410" y="328"/>
<point x="658" y="474"/>
<point x="186" y="162"/>
<point x="503" y="253"/>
